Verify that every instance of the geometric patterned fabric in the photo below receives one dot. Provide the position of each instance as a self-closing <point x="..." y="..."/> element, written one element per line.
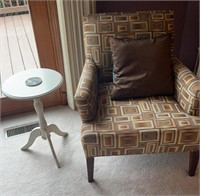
<point x="187" y="91"/>
<point x="87" y="92"/>
<point x="136" y="126"/>
<point x="133" y="126"/>
<point x="98" y="28"/>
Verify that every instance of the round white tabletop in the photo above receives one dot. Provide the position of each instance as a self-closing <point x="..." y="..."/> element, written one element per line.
<point x="16" y="86"/>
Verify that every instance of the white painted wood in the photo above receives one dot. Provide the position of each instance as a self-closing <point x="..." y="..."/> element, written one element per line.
<point x="51" y="80"/>
<point x="38" y="106"/>
<point x="70" y="15"/>
<point x="66" y="55"/>
<point x="43" y="130"/>
<point x="53" y="151"/>
<point x="9" y="10"/>
<point x="43" y="127"/>
<point x="53" y="128"/>
<point x="3" y="4"/>
<point x="13" y="8"/>
<point x="17" y="2"/>
<point x="35" y="133"/>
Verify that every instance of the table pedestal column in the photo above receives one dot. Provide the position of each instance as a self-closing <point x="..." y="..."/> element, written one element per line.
<point x="44" y="130"/>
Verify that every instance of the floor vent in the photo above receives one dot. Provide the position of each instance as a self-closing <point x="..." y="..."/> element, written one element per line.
<point x="13" y="131"/>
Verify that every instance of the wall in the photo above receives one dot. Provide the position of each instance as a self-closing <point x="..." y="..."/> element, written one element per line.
<point x="185" y="17"/>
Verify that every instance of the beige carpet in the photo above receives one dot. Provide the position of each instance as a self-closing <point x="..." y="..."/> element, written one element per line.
<point x="34" y="172"/>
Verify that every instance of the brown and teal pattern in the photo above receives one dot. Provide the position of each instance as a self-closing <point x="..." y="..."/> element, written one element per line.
<point x="87" y="91"/>
<point x="138" y="25"/>
<point x="187" y="87"/>
<point x="137" y="126"/>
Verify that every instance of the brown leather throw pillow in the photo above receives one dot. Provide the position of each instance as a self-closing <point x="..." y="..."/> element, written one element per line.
<point x="141" y="67"/>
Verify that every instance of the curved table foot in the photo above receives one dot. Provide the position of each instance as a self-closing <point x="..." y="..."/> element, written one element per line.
<point x="46" y="135"/>
<point x="53" y="128"/>
<point x="36" y="132"/>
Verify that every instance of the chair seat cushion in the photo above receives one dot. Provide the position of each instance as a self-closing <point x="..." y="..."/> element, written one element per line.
<point x="137" y="126"/>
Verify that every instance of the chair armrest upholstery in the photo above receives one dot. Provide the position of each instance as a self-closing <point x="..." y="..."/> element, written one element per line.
<point x="187" y="88"/>
<point x="87" y="91"/>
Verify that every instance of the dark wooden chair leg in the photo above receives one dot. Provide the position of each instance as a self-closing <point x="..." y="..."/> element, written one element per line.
<point x="90" y="168"/>
<point x="194" y="159"/>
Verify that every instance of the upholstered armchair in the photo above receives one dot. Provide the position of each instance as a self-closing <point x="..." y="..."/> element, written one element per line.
<point x="132" y="126"/>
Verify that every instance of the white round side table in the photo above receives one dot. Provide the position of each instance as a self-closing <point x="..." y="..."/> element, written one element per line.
<point x="33" y="84"/>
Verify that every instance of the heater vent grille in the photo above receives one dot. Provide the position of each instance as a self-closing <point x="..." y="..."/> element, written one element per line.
<point x="13" y="131"/>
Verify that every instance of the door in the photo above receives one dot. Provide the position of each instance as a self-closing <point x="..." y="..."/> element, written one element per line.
<point x="46" y="29"/>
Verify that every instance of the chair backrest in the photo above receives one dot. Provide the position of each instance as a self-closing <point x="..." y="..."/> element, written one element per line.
<point x="98" y="28"/>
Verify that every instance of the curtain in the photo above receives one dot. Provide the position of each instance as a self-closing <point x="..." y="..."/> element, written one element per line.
<point x="70" y="13"/>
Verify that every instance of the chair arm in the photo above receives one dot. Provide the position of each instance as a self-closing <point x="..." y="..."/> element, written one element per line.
<point x="87" y="91"/>
<point x="187" y="88"/>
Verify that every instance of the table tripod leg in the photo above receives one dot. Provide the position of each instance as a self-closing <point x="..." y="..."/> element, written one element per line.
<point x="34" y="134"/>
<point x="53" y="151"/>
<point x="53" y="128"/>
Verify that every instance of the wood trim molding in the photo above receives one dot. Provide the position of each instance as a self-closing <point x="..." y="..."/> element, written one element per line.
<point x="66" y="54"/>
<point x="44" y="17"/>
<point x="70" y="15"/>
<point x="56" y="41"/>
